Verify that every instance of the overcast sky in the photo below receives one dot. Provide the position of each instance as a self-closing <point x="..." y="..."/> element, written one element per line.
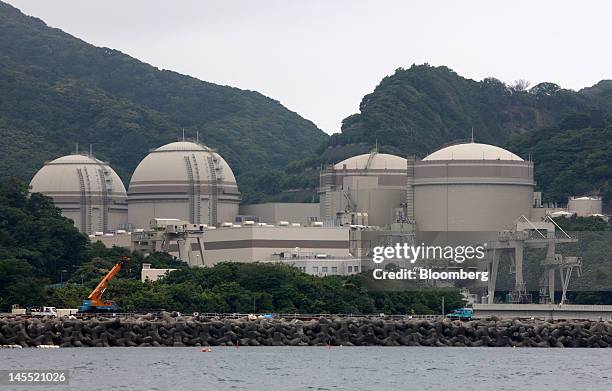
<point x="320" y="57"/>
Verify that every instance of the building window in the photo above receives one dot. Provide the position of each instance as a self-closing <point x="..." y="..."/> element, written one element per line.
<point x="315" y="269"/>
<point x="356" y="268"/>
<point x="350" y="269"/>
<point x="324" y="269"/>
<point x="334" y="269"/>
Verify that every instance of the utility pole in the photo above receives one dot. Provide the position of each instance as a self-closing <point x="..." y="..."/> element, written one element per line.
<point x="442" y="306"/>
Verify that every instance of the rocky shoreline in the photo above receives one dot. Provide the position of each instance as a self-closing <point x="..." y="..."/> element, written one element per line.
<point x="172" y="330"/>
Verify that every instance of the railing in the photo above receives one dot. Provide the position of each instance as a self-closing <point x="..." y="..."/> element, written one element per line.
<point x="245" y="315"/>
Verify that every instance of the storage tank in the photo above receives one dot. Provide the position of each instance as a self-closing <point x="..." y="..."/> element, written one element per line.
<point x="471" y="190"/>
<point x="372" y="184"/>
<point x="183" y="180"/>
<point x="585" y="206"/>
<point x="86" y="189"/>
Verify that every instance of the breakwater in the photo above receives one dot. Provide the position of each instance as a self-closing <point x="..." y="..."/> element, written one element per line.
<point x="172" y="330"/>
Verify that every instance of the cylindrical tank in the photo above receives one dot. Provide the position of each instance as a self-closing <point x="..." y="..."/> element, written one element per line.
<point x="471" y="188"/>
<point x="585" y="206"/>
<point x="373" y="183"/>
<point x="87" y="190"/>
<point x="183" y="180"/>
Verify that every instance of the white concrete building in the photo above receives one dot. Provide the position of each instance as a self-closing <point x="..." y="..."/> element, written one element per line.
<point x="373" y="184"/>
<point x="149" y="274"/>
<point x="87" y="190"/>
<point x="183" y="180"/>
<point x="585" y="206"/>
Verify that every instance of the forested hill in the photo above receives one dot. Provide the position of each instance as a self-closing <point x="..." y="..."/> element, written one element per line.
<point x="417" y="110"/>
<point x="56" y="90"/>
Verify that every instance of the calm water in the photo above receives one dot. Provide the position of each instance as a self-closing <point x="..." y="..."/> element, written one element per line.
<point x="318" y="368"/>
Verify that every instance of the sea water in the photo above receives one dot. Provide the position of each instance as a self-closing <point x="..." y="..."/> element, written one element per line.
<point x="318" y="368"/>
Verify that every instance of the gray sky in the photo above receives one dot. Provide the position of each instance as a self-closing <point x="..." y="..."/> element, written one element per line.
<point x="320" y="57"/>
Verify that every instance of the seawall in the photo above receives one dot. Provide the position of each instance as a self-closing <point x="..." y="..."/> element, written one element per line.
<point x="168" y="330"/>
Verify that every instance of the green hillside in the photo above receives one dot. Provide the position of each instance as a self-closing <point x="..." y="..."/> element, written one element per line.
<point x="56" y="90"/>
<point x="416" y="110"/>
<point x="569" y="161"/>
<point x="420" y="109"/>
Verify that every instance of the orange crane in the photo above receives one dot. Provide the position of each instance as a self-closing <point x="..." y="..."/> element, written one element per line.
<point x="94" y="302"/>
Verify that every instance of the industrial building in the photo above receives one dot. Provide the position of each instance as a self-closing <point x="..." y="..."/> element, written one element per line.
<point x="183" y="180"/>
<point x="273" y="212"/>
<point x="183" y="199"/>
<point x="315" y="249"/>
<point x="371" y="186"/>
<point x="585" y="206"/>
<point x="87" y="190"/>
<point x="469" y="192"/>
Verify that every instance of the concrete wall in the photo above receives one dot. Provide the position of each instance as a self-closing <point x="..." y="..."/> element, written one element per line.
<point x="470" y="207"/>
<point x="544" y="311"/>
<point x="123" y="240"/>
<point x="326" y="267"/>
<point x="377" y="192"/>
<point x="273" y="212"/>
<point x="585" y="206"/>
<point x="471" y="196"/>
<point x="152" y="274"/>
<point x="140" y="212"/>
<point x="252" y="244"/>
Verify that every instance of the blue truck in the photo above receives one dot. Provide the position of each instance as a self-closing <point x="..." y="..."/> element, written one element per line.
<point x="461" y="314"/>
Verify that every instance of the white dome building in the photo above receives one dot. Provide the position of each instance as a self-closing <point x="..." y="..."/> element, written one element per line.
<point x="372" y="184"/>
<point x="471" y="187"/>
<point x="183" y="180"/>
<point x="86" y="189"/>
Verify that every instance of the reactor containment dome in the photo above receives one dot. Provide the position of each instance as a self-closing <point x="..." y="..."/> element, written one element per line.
<point x="183" y="180"/>
<point x="87" y="190"/>
<point x="372" y="185"/>
<point x="470" y="187"/>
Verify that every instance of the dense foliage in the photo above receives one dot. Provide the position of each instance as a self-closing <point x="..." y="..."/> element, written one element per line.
<point x="252" y="287"/>
<point x="36" y="243"/>
<point x="572" y="158"/>
<point x="56" y="90"/>
<point x="417" y="110"/>
<point x="577" y="223"/>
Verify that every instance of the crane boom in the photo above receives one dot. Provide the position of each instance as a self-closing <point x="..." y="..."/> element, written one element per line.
<point x="96" y="294"/>
<point x="94" y="302"/>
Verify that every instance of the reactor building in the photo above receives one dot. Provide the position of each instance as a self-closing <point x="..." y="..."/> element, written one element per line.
<point x="183" y="199"/>
<point x="183" y="180"/>
<point x="371" y="188"/>
<point x="467" y="192"/>
<point x="87" y="190"/>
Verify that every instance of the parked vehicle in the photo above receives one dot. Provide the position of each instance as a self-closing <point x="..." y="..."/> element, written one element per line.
<point x="43" y="311"/>
<point x="461" y="314"/>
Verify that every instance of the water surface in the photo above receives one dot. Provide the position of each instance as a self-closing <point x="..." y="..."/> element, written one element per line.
<point x="320" y="368"/>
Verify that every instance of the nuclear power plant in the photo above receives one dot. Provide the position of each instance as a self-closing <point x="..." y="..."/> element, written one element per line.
<point x="184" y="180"/>
<point x="87" y="190"/>
<point x="183" y="199"/>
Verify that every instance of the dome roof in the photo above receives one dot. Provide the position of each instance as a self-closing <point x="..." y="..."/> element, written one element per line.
<point x="63" y="175"/>
<point x="182" y="146"/>
<point x="168" y="164"/>
<point x="472" y="151"/>
<point x="379" y="161"/>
